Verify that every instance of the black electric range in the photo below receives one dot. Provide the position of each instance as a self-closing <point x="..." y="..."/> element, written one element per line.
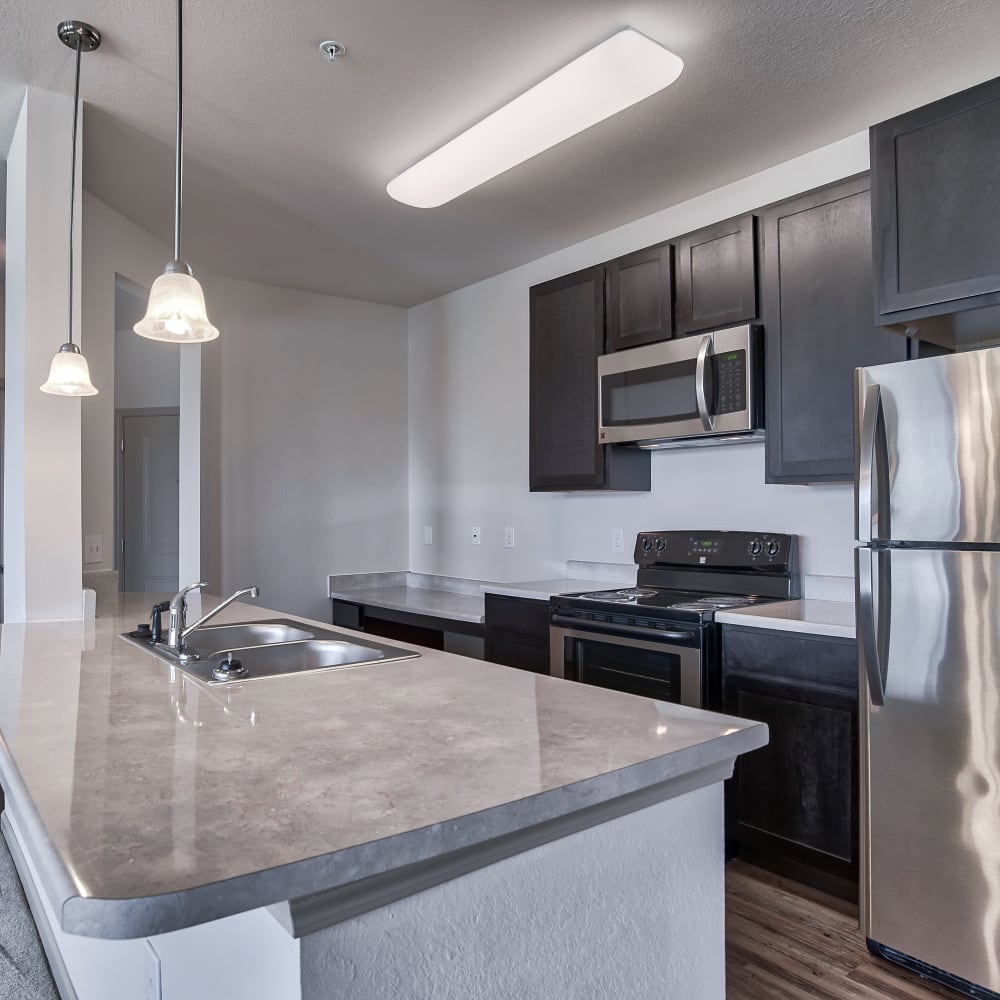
<point x="659" y="638"/>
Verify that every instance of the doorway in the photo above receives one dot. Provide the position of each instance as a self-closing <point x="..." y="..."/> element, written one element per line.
<point x="148" y="499"/>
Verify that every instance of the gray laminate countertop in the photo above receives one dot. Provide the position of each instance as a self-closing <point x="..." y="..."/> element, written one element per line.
<point x="151" y="802"/>
<point x="834" y="618"/>
<point x="413" y="593"/>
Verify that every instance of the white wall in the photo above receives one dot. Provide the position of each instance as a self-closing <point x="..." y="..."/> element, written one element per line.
<point x="468" y="422"/>
<point x="42" y="542"/>
<point x="147" y="374"/>
<point x="312" y="447"/>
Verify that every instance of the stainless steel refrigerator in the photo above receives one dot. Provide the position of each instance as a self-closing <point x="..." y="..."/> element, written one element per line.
<point x="927" y="571"/>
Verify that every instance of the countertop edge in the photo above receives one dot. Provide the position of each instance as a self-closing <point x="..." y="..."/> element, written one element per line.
<point x="798" y="617"/>
<point x="147" y="916"/>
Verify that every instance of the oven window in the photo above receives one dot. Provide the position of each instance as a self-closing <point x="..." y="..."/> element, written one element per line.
<point x="652" y="673"/>
<point x="649" y="395"/>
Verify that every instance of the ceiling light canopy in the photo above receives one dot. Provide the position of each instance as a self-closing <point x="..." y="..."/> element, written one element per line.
<point x="620" y="72"/>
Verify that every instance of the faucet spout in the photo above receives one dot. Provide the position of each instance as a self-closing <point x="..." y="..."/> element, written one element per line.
<point x="249" y="592"/>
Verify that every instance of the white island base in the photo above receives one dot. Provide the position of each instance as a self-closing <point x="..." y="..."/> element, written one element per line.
<point x="632" y="907"/>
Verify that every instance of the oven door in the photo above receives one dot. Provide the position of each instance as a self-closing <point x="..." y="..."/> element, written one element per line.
<point x="653" y="669"/>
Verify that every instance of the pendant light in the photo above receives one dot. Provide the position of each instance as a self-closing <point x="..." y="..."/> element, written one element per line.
<point x="176" y="310"/>
<point x="69" y="374"/>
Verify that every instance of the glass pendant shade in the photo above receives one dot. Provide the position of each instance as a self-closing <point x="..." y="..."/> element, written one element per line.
<point x="176" y="312"/>
<point x="69" y="374"/>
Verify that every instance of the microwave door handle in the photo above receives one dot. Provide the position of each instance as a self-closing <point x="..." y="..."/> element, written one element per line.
<point x="700" y="374"/>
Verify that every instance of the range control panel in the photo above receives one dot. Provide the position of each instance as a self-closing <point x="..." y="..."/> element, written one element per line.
<point x="717" y="549"/>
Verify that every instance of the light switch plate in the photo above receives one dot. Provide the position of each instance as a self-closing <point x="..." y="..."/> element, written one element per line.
<point x="93" y="548"/>
<point x="476" y="536"/>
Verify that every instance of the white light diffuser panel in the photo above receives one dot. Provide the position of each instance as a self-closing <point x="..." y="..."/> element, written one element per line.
<point x="626" y="69"/>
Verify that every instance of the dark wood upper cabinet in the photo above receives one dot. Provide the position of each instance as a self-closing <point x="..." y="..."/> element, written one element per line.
<point x="936" y="205"/>
<point x="716" y="276"/>
<point x="817" y="312"/>
<point x="567" y="335"/>
<point x="640" y="298"/>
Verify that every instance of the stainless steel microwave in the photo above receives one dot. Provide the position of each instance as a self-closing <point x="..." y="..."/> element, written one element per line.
<point x="698" y="390"/>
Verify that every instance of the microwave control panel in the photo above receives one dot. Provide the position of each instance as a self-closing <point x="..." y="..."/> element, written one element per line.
<point x="731" y="382"/>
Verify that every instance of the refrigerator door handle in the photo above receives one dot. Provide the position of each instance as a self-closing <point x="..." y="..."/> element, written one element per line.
<point x="873" y="618"/>
<point x="871" y="419"/>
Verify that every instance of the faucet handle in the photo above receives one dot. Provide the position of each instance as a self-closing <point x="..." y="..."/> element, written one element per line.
<point x="192" y="586"/>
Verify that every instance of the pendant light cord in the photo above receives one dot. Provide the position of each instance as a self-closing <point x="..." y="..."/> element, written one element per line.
<point x="179" y="176"/>
<point x="72" y="181"/>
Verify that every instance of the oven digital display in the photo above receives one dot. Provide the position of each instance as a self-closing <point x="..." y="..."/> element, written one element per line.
<point x="704" y="546"/>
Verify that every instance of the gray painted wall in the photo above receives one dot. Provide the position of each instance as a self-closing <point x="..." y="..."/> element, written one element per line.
<point x="468" y="423"/>
<point x="312" y="445"/>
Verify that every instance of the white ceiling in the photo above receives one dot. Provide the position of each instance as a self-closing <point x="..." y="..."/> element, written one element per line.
<point x="288" y="157"/>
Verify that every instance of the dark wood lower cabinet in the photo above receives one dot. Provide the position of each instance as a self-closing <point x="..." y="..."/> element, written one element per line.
<point x="792" y="806"/>
<point x="517" y="632"/>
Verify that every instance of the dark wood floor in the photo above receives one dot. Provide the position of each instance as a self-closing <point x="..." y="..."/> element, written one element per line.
<point x="785" y="942"/>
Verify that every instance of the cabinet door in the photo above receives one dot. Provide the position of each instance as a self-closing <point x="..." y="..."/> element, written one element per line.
<point x="517" y="632"/>
<point x="796" y="799"/>
<point x="936" y="207"/>
<point x="817" y="312"/>
<point x="567" y="335"/>
<point x="640" y="298"/>
<point x="716" y="273"/>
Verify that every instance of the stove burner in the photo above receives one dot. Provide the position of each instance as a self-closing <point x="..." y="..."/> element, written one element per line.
<point x="628" y="595"/>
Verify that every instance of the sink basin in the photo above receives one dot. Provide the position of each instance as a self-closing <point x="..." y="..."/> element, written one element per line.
<point x="272" y="648"/>
<point x="294" y="657"/>
<point x="214" y="638"/>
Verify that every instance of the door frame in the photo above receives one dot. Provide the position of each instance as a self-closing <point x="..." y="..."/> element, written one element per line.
<point x="120" y="416"/>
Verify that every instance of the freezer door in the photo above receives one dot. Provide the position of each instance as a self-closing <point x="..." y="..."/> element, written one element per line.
<point x="927" y="456"/>
<point x="930" y="760"/>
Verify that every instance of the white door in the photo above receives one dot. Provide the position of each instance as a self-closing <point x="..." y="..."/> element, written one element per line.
<point x="150" y="507"/>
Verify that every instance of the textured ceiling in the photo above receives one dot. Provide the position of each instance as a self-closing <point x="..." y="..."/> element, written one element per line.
<point x="288" y="156"/>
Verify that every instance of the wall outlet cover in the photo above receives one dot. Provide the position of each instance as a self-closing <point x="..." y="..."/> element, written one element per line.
<point x="508" y="538"/>
<point x="93" y="548"/>
<point x="428" y="535"/>
<point x="618" y="540"/>
<point x="476" y="536"/>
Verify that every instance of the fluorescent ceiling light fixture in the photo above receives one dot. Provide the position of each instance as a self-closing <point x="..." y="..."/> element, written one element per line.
<point x="620" y="72"/>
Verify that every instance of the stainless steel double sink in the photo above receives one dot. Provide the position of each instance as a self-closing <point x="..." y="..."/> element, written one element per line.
<point x="269" y="649"/>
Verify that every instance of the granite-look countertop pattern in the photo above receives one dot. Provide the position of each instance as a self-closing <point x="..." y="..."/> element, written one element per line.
<point x="834" y="618"/>
<point x="151" y="802"/>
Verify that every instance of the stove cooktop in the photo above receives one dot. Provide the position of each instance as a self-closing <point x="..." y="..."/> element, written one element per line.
<point x="660" y="599"/>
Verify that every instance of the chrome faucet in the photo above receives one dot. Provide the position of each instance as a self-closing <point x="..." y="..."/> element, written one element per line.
<point x="177" y="628"/>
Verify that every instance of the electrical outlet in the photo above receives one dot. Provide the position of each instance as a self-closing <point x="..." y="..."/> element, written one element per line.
<point x="618" y="540"/>
<point x="428" y="535"/>
<point x="93" y="548"/>
<point x="476" y="536"/>
<point x="152" y="976"/>
<point x="508" y="538"/>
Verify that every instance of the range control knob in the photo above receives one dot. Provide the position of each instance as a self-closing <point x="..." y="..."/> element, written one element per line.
<point x="660" y="544"/>
<point x="754" y="547"/>
<point x="647" y="545"/>
<point x="772" y="547"/>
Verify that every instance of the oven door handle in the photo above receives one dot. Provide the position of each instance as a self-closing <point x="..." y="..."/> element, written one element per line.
<point x="621" y="636"/>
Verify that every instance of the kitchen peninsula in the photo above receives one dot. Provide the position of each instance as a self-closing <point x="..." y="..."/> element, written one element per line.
<point x="433" y="827"/>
